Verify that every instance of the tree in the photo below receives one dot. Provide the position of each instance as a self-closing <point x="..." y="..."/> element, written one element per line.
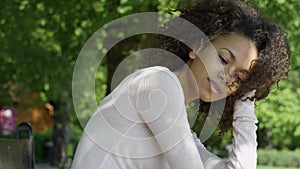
<point x="279" y="123"/>
<point x="40" y="42"/>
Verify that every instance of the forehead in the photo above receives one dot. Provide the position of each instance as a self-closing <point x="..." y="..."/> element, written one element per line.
<point x="241" y="47"/>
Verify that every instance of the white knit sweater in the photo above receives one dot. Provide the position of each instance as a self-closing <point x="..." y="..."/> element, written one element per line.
<point x="143" y="124"/>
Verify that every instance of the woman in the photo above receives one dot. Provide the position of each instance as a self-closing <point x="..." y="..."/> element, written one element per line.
<point x="143" y="122"/>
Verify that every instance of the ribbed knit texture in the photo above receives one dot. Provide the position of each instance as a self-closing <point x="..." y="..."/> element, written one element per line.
<point x="143" y="124"/>
<point x="243" y="154"/>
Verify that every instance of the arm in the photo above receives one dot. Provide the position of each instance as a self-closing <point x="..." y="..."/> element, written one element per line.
<point x="160" y="103"/>
<point x="243" y="154"/>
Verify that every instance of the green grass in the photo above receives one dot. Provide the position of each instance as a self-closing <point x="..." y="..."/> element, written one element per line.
<point x="271" y="167"/>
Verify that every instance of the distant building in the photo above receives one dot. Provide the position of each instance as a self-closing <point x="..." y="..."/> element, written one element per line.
<point x="30" y="108"/>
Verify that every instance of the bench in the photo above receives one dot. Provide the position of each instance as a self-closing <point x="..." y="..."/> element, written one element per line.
<point x="18" y="153"/>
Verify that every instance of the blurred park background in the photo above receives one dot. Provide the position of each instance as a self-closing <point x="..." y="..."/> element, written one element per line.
<point x="40" y="41"/>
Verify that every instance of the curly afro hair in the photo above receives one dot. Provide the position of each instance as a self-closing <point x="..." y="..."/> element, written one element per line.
<point x="217" y="18"/>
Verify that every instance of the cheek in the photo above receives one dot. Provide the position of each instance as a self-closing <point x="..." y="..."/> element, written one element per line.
<point x="198" y="69"/>
<point x="212" y="65"/>
<point x="205" y="65"/>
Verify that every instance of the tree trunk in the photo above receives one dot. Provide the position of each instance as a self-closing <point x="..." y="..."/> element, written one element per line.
<point x="61" y="132"/>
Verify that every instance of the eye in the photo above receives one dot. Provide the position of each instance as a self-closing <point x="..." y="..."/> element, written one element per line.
<point x="239" y="78"/>
<point x="241" y="75"/>
<point x="223" y="60"/>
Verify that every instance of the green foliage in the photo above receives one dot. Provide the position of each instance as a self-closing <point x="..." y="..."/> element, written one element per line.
<point x="40" y="141"/>
<point x="8" y="136"/>
<point x="40" y="41"/>
<point x="273" y="167"/>
<point x="76" y="132"/>
<point x="42" y="152"/>
<point x="279" y="114"/>
<point x="217" y="143"/>
<point x="285" y="158"/>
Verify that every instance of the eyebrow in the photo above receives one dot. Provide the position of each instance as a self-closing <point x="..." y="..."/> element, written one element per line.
<point x="233" y="57"/>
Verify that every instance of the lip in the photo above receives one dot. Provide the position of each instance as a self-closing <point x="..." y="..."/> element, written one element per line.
<point x="215" y="88"/>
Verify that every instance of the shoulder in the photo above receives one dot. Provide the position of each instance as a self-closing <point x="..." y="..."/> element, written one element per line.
<point x="157" y="76"/>
<point x="157" y="72"/>
<point x="154" y="70"/>
<point x="148" y="81"/>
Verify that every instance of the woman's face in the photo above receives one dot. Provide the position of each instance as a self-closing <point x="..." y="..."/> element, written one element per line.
<point x="217" y="71"/>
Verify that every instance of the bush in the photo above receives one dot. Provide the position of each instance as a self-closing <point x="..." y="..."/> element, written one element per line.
<point x="286" y="158"/>
<point x="40" y="140"/>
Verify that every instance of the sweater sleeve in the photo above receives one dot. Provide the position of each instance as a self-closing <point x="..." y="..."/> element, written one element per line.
<point x="243" y="154"/>
<point x="160" y="102"/>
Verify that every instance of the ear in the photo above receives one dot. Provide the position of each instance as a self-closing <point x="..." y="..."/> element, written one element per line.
<point x="192" y="55"/>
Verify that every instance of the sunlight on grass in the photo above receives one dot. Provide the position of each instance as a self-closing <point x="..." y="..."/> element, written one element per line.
<point x="272" y="167"/>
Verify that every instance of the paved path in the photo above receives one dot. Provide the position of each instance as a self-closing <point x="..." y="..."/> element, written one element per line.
<point x="44" y="166"/>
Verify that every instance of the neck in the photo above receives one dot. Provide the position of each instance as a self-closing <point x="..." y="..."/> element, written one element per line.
<point x="188" y="84"/>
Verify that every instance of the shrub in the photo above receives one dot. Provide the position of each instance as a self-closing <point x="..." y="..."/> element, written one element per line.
<point x="286" y="158"/>
<point x="40" y="140"/>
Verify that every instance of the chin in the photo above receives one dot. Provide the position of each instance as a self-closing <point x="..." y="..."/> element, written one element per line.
<point x="209" y="98"/>
<point x="205" y="98"/>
